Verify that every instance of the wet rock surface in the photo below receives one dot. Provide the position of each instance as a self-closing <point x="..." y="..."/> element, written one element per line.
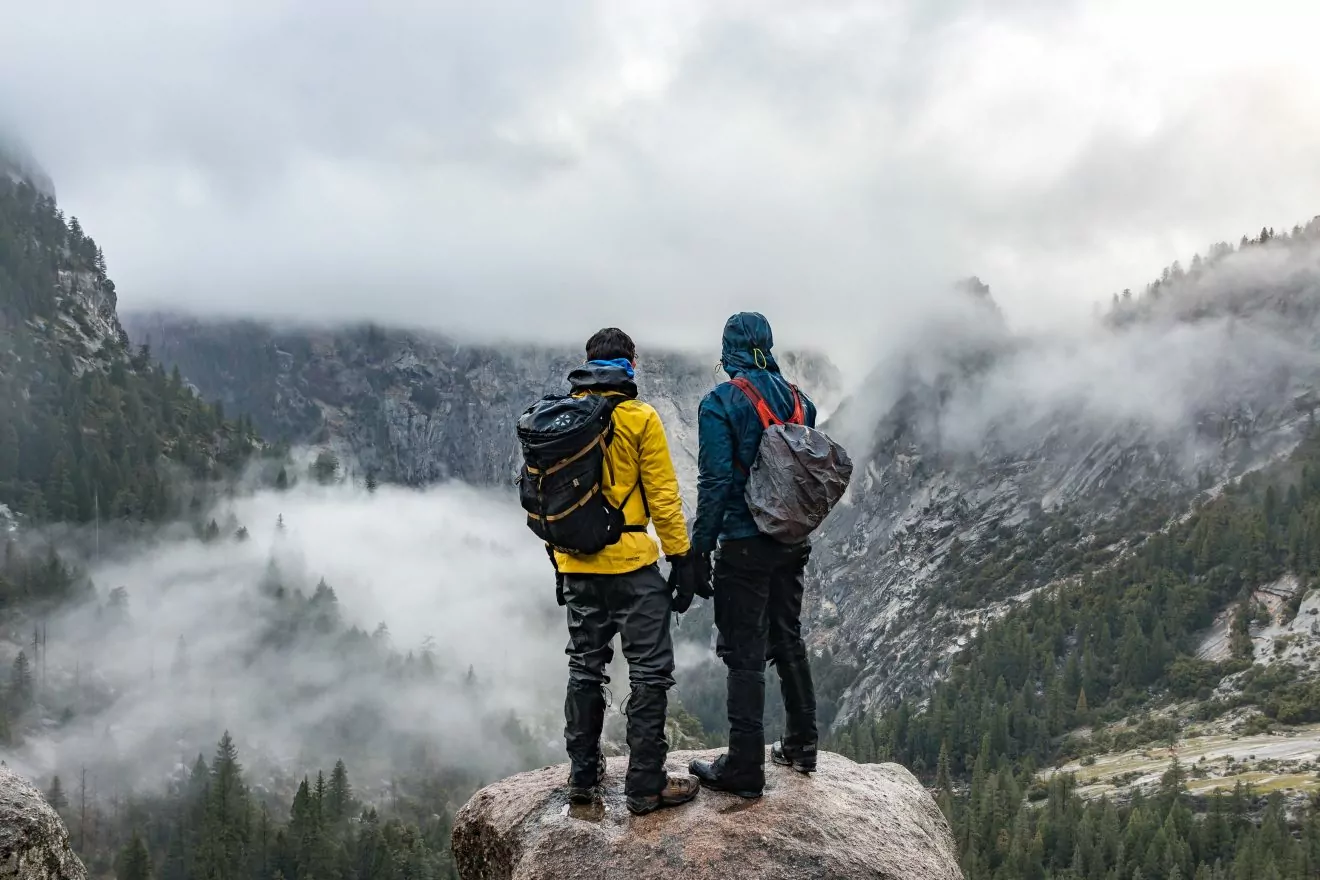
<point x="34" y="844"/>
<point x="846" y="821"/>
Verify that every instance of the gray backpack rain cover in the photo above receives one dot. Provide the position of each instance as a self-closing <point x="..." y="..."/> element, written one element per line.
<point x="798" y="476"/>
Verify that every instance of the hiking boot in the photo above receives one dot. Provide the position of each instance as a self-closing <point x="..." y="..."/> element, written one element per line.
<point x="584" y="795"/>
<point x="678" y="790"/>
<point x="718" y="775"/>
<point x="645" y="708"/>
<point x="800" y="737"/>
<point x="584" y="716"/>
<point x="800" y="759"/>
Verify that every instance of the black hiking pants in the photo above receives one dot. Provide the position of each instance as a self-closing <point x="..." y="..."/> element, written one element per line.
<point x="636" y="607"/>
<point x="758" y="609"/>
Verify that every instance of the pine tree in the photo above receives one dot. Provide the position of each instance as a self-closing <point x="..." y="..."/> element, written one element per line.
<point x="9" y="453"/>
<point x="264" y="842"/>
<point x="326" y="467"/>
<point x="55" y="796"/>
<point x="944" y="784"/>
<point x="314" y="851"/>
<point x="20" y="684"/>
<point x="324" y="609"/>
<point x="943" y="780"/>
<point x="228" y="814"/>
<point x="174" y="865"/>
<point x="340" y="797"/>
<point x="1240" y="632"/>
<point x="134" y="861"/>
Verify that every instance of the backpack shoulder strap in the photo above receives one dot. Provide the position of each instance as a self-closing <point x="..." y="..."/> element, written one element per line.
<point x="799" y="417"/>
<point x="614" y="400"/>
<point x="763" y="410"/>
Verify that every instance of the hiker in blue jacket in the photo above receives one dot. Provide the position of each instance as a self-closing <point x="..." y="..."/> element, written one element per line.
<point x="757" y="580"/>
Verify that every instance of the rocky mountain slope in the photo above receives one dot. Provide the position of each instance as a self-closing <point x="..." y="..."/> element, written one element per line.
<point x="86" y="425"/>
<point x="412" y="407"/>
<point x="999" y="464"/>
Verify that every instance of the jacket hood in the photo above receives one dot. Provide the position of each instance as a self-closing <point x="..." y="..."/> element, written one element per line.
<point x="747" y="343"/>
<point x="600" y="376"/>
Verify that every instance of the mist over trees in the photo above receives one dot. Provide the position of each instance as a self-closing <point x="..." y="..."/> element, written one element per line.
<point x="116" y="685"/>
<point x="213" y="822"/>
<point x="304" y="681"/>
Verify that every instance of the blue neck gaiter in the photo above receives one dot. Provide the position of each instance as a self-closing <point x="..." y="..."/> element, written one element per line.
<point x="621" y="363"/>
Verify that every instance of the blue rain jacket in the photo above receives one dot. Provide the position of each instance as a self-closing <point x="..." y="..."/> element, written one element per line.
<point x="729" y="431"/>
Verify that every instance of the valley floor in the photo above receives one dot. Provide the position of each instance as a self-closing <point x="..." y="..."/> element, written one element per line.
<point x="1286" y="760"/>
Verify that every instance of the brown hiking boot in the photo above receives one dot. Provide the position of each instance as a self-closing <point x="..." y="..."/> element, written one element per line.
<point x="678" y="790"/>
<point x="588" y="794"/>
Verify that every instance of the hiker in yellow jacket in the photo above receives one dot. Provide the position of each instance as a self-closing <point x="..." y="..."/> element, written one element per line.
<point x="621" y="590"/>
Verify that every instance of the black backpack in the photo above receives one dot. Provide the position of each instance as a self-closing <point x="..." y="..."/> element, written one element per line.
<point x="564" y="474"/>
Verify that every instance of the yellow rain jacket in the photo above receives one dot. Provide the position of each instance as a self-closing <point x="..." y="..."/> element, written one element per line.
<point x="638" y="452"/>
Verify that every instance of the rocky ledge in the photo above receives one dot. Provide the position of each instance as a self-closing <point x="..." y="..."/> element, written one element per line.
<point x="847" y="821"/>
<point x="34" y="844"/>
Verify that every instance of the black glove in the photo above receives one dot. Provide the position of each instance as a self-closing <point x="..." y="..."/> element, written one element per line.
<point x="680" y="581"/>
<point x="702" y="575"/>
<point x="689" y="575"/>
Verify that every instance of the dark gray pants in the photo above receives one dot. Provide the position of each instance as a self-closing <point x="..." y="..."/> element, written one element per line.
<point x="636" y="607"/>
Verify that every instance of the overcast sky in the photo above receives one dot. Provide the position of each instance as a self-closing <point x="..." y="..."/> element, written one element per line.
<point x="540" y="167"/>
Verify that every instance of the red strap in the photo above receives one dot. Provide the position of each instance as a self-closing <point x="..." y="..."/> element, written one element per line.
<point x="763" y="410"/>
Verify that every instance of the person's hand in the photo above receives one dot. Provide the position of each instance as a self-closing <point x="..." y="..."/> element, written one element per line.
<point x="689" y="575"/>
<point x="701" y="574"/>
<point x="681" y="584"/>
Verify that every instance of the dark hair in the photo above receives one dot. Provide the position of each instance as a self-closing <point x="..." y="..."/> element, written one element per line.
<point x="610" y="344"/>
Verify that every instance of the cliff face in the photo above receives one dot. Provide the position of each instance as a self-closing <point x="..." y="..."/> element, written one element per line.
<point x="85" y="426"/>
<point x="415" y="408"/>
<point x="999" y="464"/>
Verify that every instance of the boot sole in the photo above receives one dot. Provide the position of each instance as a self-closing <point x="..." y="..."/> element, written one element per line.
<point x="661" y="805"/>
<point x="742" y="793"/>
